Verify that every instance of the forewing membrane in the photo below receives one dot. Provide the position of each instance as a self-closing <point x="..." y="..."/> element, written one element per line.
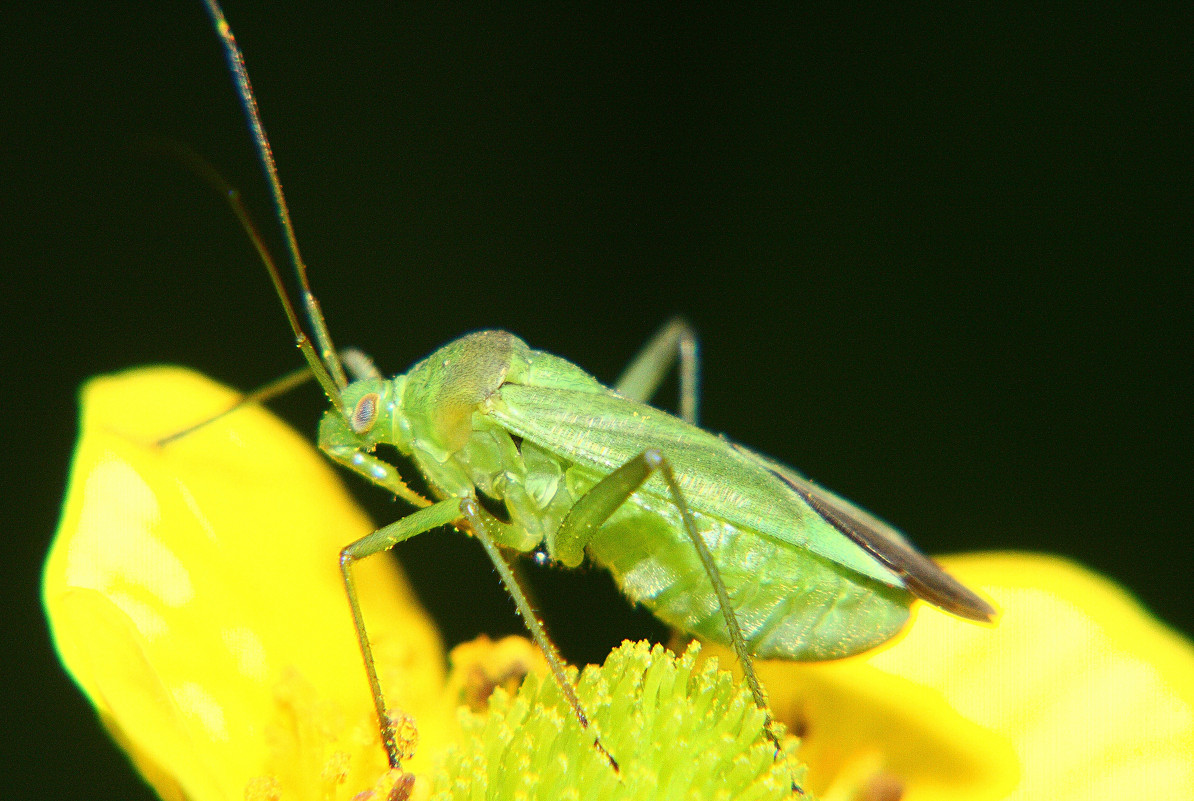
<point x="606" y="430"/>
<point x="922" y="575"/>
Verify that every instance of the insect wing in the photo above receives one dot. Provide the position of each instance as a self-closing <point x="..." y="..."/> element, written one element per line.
<point x="603" y="431"/>
<point x="922" y="575"/>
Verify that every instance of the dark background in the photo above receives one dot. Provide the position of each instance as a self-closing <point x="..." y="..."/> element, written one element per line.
<point x="938" y="262"/>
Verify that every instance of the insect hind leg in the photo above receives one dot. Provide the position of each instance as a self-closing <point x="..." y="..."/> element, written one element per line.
<point x="596" y="506"/>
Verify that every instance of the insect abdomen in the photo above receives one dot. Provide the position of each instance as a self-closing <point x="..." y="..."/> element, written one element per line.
<point x="790" y="604"/>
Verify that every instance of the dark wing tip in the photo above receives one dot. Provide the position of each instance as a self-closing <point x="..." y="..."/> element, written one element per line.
<point x="924" y="578"/>
<point x="931" y="583"/>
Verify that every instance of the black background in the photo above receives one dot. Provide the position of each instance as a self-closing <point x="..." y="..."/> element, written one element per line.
<point x="938" y="261"/>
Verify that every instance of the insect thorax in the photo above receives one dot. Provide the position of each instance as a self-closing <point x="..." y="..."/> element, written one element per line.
<point x="441" y="421"/>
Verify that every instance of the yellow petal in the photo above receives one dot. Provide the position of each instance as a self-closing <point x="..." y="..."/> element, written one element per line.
<point x="862" y="729"/>
<point x="193" y="592"/>
<point x="1096" y="695"/>
<point x="1076" y="693"/>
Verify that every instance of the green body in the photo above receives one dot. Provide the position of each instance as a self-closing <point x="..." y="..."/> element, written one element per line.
<point x="717" y="540"/>
<point x="488" y="414"/>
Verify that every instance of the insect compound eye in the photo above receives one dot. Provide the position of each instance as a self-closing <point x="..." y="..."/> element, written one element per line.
<point x="365" y="413"/>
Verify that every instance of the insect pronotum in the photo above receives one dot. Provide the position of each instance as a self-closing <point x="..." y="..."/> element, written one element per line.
<point x="716" y="539"/>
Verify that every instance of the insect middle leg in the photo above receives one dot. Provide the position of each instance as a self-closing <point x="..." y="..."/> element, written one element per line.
<point x="675" y="341"/>
<point x="465" y="513"/>
<point x="596" y="506"/>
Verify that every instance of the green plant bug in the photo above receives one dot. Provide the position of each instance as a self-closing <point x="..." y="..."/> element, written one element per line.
<point x="528" y="452"/>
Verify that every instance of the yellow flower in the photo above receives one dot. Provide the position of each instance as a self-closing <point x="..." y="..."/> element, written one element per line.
<point x="194" y="593"/>
<point x="1076" y="693"/>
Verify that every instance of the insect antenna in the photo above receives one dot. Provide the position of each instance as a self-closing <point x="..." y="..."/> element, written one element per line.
<point x="273" y="389"/>
<point x="325" y="363"/>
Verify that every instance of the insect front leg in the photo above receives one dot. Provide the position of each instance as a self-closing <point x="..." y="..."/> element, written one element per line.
<point x="371" y="468"/>
<point x="676" y="340"/>
<point x="596" y="506"/>
<point x="448" y="511"/>
<point x="383" y="539"/>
